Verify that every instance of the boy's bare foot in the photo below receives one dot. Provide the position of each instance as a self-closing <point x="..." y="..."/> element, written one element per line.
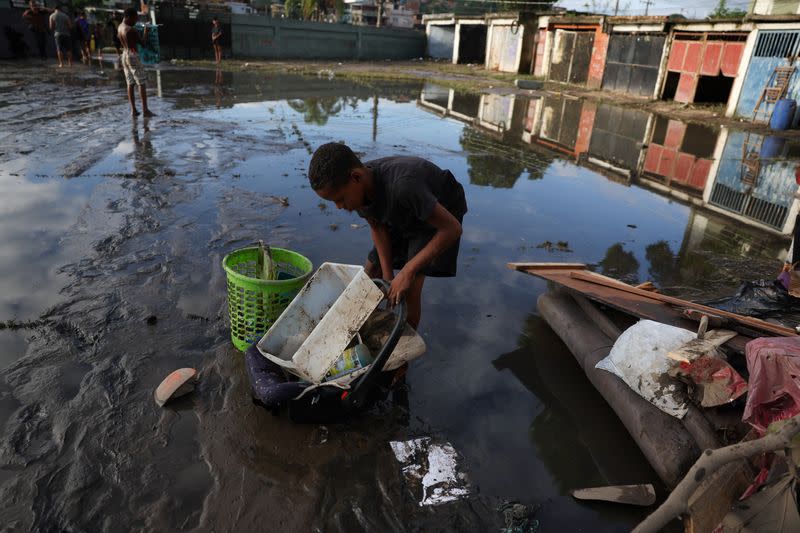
<point x="134" y="113"/>
<point x="149" y="114"/>
<point x="60" y="65"/>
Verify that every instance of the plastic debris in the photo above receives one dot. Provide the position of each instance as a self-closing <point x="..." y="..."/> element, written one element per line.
<point x="639" y="358"/>
<point x="518" y="517"/>
<point x="177" y="384"/>
<point x="774" y="367"/>
<point x="712" y="381"/>
<point x="431" y="470"/>
<point x="758" y="298"/>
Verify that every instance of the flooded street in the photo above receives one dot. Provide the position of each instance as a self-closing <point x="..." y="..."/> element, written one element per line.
<point x="112" y="233"/>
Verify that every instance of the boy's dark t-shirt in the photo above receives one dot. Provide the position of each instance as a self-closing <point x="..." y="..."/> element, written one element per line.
<point x="406" y="191"/>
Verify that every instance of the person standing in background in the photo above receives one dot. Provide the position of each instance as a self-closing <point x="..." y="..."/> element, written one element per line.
<point x="36" y="18"/>
<point x="83" y="36"/>
<point x="62" y="26"/>
<point x="131" y="64"/>
<point x="216" y="36"/>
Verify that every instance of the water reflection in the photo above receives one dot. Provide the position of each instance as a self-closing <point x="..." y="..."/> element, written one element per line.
<point x="575" y="458"/>
<point x="317" y="110"/>
<point x="620" y="264"/>
<point x="740" y="187"/>
<point x="745" y="177"/>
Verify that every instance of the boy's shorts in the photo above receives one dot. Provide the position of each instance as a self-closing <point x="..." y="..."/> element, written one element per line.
<point x="63" y="42"/>
<point x="134" y="72"/>
<point x="404" y="248"/>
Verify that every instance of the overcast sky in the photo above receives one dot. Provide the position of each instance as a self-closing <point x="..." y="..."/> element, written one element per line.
<point x="688" y="8"/>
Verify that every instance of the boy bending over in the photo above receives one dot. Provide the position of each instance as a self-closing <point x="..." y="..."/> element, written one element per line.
<point x="414" y="210"/>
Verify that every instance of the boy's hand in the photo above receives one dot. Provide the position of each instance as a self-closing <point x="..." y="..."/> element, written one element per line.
<point x="401" y="284"/>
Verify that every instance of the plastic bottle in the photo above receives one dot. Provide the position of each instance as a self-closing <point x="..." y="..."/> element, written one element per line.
<point x="352" y="359"/>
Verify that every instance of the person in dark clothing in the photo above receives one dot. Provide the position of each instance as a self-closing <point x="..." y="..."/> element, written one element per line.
<point x="83" y="37"/>
<point x="414" y="210"/>
<point x="37" y="18"/>
<point x="216" y="39"/>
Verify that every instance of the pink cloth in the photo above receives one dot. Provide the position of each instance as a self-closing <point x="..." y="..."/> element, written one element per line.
<point x="774" y="383"/>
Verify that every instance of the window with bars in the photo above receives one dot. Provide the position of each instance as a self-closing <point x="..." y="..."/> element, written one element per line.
<point x="777" y="44"/>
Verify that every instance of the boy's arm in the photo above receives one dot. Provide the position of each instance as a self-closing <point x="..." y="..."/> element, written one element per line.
<point x="383" y="245"/>
<point x="448" y="231"/>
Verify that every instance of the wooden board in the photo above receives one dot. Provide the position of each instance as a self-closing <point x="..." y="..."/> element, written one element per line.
<point x="641" y="303"/>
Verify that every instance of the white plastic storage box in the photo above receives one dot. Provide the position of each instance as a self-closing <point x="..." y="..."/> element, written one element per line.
<point x="316" y="327"/>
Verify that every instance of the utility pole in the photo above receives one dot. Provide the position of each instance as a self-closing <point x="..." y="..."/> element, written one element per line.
<point x="647" y="4"/>
<point x="380" y="13"/>
<point x="616" y="7"/>
<point x="374" y="117"/>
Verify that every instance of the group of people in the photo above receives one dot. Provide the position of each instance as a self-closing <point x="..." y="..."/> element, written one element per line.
<point x="70" y="32"/>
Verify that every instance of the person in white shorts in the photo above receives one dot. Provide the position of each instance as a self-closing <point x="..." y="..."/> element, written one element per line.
<point x="131" y="64"/>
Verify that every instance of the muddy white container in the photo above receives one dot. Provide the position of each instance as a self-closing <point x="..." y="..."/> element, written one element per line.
<point x="320" y="322"/>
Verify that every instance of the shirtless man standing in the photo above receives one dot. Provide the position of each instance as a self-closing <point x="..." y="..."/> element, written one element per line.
<point x="131" y="64"/>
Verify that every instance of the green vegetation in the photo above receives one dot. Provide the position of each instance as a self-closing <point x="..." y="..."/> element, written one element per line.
<point x="723" y="12"/>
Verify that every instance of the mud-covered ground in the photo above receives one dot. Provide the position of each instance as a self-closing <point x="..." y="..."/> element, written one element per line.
<point x="112" y="232"/>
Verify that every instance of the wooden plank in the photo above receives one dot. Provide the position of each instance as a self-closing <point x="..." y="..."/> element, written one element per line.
<point x="687" y="86"/>
<point x="653" y="158"/>
<point x="716" y="494"/>
<point x="675" y="63"/>
<point x="712" y="58"/>
<point x="548" y="266"/>
<point x="652" y="306"/>
<point x="757" y="323"/>
<point x="731" y="57"/>
<point x="694" y="57"/>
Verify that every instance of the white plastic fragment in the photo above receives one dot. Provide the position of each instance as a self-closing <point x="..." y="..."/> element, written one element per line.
<point x="431" y="469"/>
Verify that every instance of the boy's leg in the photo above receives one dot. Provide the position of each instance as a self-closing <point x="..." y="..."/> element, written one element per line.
<point x="143" y="96"/>
<point x="132" y="100"/>
<point x="373" y="270"/>
<point x="414" y="301"/>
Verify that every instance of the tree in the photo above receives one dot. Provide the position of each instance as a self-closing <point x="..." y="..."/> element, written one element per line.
<point x="723" y="12"/>
<point x="292" y="9"/>
<point x="317" y="110"/>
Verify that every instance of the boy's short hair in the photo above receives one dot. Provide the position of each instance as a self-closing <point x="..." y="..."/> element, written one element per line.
<point x="331" y="165"/>
<point x="131" y="12"/>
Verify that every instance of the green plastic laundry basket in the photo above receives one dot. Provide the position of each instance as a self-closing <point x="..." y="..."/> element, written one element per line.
<point x="253" y="303"/>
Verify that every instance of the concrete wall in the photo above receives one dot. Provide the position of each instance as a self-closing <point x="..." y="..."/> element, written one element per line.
<point x="775" y="7"/>
<point x="440" y="41"/>
<point x="598" y="63"/>
<point x="270" y="38"/>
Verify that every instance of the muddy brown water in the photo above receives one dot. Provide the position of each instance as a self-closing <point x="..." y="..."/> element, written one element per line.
<point x="107" y="222"/>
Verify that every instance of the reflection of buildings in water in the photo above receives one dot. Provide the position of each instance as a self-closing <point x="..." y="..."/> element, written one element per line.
<point x="680" y="155"/>
<point x="496" y="112"/>
<point x="691" y="162"/>
<point x="617" y="138"/>
<point x="491" y="137"/>
<point x="435" y="97"/>
<point x="755" y="182"/>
